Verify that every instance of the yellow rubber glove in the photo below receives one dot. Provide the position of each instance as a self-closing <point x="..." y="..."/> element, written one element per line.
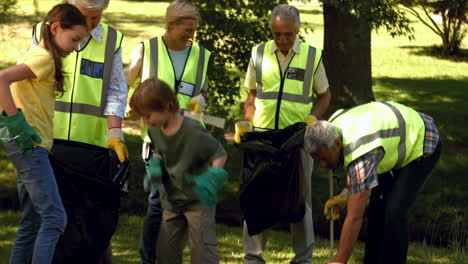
<point x="196" y="104"/>
<point x="116" y="142"/>
<point x="337" y="203"/>
<point x="310" y="119"/>
<point x="242" y="127"/>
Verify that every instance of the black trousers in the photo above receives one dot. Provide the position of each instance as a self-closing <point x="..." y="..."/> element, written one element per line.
<point x="389" y="208"/>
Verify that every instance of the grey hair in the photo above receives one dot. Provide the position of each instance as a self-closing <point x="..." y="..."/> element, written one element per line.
<point x="90" y="4"/>
<point x="320" y="133"/>
<point x="286" y="11"/>
<point x="179" y="10"/>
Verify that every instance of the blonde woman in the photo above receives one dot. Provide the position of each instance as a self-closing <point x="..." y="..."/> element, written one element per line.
<point x="177" y="60"/>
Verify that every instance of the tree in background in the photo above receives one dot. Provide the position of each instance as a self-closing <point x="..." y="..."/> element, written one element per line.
<point x="347" y="45"/>
<point x="452" y="28"/>
<point x="6" y="9"/>
<point x="230" y="28"/>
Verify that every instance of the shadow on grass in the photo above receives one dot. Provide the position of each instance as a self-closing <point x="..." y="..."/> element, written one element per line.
<point x="138" y="20"/>
<point x="435" y="52"/>
<point x="311" y="11"/>
<point x="30" y="18"/>
<point x="443" y="99"/>
<point x="112" y="18"/>
<point x="4" y="65"/>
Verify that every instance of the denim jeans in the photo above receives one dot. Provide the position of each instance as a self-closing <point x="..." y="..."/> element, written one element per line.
<point x="43" y="216"/>
<point x="389" y="208"/>
<point x="150" y="230"/>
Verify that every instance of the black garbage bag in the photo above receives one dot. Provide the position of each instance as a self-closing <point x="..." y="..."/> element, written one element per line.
<point x="90" y="180"/>
<point x="272" y="189"/>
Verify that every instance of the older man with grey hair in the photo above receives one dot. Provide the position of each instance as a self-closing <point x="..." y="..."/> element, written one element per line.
<point x="282" y="77"/>
<point x="90" y="111"/>
<point x="388" y="151"/>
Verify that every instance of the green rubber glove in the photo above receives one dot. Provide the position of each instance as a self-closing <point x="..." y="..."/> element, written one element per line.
<point x="21" y="131"/>
<point x="153" y="174"/>
<point x="2" y="121"/>
<point x="4" y="134"/>
<point x="207" y="184"/>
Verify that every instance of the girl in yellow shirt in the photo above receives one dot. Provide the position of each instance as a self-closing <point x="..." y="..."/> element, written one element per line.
<point x="26" y="130"/>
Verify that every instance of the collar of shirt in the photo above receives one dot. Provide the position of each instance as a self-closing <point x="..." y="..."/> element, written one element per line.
<point x="296" y="48"/>
<point x="95" y="33"/>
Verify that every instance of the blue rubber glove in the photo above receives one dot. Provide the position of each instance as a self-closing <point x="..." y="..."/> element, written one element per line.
<point x="21" y="131"/>
<point x="207" y="184"/>
<point x="153" y="174"/>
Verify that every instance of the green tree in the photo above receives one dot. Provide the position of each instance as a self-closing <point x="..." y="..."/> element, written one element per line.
<point x="6" y="9"/>
<point x="347" y="45"/>
<point x="230" y="28"/>
<point x="453" y="28"/>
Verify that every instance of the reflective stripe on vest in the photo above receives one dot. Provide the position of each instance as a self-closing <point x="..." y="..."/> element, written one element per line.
<point x="87" y="109"/>
<point x="79" y="112"/>
<point x="282" y="100"/>
<point x="195" y="69"/>
<point x="194" y="73"/>
<point x="401" y="137"/>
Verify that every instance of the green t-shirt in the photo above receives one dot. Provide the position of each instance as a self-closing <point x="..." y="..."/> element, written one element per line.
<point x="190" y="150"/>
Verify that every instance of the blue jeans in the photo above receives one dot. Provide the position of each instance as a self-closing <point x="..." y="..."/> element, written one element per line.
<point x="43" y="216"/>
<point x="150" y="230"/>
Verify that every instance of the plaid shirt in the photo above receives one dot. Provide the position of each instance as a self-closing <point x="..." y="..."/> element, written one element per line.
<point x="362" y="173"/>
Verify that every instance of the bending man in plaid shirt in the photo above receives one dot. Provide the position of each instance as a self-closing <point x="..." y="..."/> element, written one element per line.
<point x="388" y="150"/>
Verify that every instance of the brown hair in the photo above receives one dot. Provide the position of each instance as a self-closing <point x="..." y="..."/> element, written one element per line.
<point x="154" y="95"/>
<point x="68" y="16"/>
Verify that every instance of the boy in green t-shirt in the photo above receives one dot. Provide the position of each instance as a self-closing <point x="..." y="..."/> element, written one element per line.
<point x="188" y="170"/>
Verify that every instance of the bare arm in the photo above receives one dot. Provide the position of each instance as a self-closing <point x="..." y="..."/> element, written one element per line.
<point x="352" y="225"/>
<point x="114" y="122"/>
<point x="321" y="106"/>
<point x="133" y="69"/>
<point x="157" y="155"/>
<point x="10" y="75"/>
<point x="249" y="107"/>
<point x="219" y="162"/>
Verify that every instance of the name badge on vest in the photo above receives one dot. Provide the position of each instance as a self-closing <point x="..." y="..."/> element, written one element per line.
<point x="295" y="74"/>
<point x="92" y="69"/>
<point x="186" y="88"/>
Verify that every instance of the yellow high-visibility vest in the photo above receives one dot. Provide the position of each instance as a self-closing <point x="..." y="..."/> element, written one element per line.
<point x="79" y="112"/>
<point x="156" y="61"/>
<point x="283" y="100"/>
<point x="398" y="129"/>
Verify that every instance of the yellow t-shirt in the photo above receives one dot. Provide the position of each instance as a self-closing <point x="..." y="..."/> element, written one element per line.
<point x="36" y="97"/>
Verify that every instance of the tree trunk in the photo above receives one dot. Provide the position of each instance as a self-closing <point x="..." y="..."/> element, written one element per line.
<point x="347" y="58"/>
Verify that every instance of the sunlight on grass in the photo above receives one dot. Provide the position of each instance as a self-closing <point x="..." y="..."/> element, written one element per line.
<point x="404" y="71"/>
<point x="126" y="239"/>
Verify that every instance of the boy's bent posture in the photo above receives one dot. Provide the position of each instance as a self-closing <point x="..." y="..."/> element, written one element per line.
<point x="187" y="169"/>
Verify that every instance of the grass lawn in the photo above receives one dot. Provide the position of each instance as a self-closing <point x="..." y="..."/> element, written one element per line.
<point x="405" y="71"/>
<point x="126" y="239"/>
